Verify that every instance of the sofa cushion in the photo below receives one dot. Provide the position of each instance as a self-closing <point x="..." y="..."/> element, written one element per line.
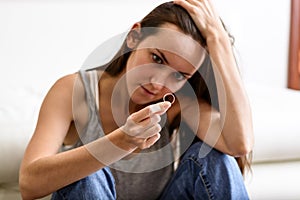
<point x="274" y="181"/>
<point x="18" y="114"/>
<point x="276" y="117"/>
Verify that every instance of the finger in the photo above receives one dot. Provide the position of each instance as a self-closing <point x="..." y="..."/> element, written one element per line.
<point x="195" y="9"/>
<point x="194" y="2"/>
<point x="151" y="141"/>
<point x="211" y="7"/>
<point x="150" y="131"/>
<point x="208" y="7"/>
<point x="132" y="128"/>
<point x="185" y="4"/>
<point x="158" y="108"/>
<point x="192" y="6"/>
<point x="153" y="119"/>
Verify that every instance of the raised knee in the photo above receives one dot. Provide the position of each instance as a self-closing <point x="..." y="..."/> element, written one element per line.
<point x="209" y="156"/>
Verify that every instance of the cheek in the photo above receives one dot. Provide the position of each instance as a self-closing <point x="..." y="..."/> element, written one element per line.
<point x="141" y="72"/>
<point x="137" y="76"/>
<point x="173" y="86"/>
<point x="137" y="58"/>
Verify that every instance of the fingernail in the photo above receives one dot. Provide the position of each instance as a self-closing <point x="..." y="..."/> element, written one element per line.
<point x="167" y="105"/>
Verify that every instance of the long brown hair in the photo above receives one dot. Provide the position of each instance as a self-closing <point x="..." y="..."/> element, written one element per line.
<point x="204" y="77"/>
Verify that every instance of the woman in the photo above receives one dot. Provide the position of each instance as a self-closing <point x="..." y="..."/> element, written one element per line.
<point x="115" y="130"/>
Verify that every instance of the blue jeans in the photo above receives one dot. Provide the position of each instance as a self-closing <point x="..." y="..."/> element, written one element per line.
<point x="99" y="185"/>
<point x="216" y="176"/>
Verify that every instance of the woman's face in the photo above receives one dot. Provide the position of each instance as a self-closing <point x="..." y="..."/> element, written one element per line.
<point x="160" y="64"/>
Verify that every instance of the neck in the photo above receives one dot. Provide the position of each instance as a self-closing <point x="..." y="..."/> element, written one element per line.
<point x="133" y="107"/>
<point x="114" y="92"/>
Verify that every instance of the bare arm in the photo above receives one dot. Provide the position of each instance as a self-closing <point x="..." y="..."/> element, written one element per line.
<point x="44" y="170"/>
<point x="229" y="130"/>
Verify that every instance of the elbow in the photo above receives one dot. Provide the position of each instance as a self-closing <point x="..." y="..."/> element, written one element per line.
<point x="26" y="196"/>
<point x="243" y="146"/>
<point x="25" y="188"/>
<point x="244" y="143"/>
<point x="241" y="150"/>
<point x="28" y="189"/>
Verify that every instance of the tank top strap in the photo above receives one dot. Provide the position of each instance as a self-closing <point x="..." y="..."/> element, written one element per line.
<point x="94" y="80"/>
<point x="90" y="82"/>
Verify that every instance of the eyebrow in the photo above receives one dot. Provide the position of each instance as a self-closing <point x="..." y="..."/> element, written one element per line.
<point x="166" y="61"/>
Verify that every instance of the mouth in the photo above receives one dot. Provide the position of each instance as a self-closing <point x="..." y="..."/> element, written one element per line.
<point x="148" y="91"/>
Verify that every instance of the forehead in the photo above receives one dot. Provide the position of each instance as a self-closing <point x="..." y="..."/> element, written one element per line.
<point x="170" y="39"/>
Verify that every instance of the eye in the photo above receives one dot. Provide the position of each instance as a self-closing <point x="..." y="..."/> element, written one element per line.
<point x="178" y="76"/>
<point x="156" y="58"/>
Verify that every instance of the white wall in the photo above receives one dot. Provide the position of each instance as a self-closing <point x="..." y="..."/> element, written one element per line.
<point x="42" y="40"/>
<point x="262" y="32"/>
<point x="59" y="35"/>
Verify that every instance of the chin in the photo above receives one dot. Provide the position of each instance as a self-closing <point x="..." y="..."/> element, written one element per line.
<point x="141" y="100"/>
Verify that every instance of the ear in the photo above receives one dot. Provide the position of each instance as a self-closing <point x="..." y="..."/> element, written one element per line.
<point x="134" y="35"/>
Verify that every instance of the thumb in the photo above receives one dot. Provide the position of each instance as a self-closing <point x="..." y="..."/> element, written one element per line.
<point x="159" y="108"/>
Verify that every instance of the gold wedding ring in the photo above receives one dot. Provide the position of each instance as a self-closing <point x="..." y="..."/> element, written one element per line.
<point x="169" y="97"/>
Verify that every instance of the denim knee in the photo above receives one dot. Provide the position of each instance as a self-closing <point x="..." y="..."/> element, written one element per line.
<point x="213" y="176"/>
<point x="218" y="172"/>
<point x="99" y="185"/>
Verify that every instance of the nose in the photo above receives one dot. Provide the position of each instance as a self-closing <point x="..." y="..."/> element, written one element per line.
<point x="158" y="81"/>
<point x="156" y="86"/>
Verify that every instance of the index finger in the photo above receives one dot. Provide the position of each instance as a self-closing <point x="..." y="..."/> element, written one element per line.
<point x="158" y="108"/>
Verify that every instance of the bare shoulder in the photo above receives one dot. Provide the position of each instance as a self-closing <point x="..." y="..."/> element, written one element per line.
<point x="59" y="97"/>
<point x="63" y="87"/>
<point x="65" y="82"/>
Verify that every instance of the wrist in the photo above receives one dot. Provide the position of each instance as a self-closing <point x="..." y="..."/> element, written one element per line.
<point x="217" y="38"/>
<point x="122" y="140"/>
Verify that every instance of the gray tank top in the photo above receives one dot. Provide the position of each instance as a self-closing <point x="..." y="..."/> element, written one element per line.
<point x="142" y="176"/>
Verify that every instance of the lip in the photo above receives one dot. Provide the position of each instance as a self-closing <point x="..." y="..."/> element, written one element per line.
<point x="147" y="91"/>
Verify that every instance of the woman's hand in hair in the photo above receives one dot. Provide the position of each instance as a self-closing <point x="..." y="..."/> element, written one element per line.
<point x="234" y="116"/>
<point x="205" y="17"/>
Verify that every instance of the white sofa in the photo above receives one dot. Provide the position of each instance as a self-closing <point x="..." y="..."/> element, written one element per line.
<point x="42" y="41"/>
<point x="276" y="156"/>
